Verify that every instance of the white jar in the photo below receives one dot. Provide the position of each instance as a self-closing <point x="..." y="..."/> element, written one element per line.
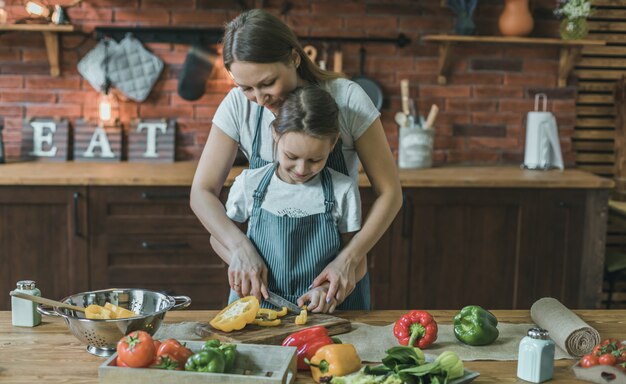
<point x="24" y="312"/>
<point x="535" y="362"/>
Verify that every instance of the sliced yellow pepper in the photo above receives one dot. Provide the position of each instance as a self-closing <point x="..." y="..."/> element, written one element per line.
<point x="267" y="323"/>
<point x="270" y="314"/>
<point x="301" y="319"/>
<point x="282" y="312"/>
<point x="236" y="315"/>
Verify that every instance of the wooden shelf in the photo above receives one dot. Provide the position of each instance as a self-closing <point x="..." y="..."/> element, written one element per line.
<point x="569" y="50"/>
<point x="50" y="35"/>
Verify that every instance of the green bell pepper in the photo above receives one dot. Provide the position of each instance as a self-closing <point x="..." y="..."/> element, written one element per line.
<point x="209" y="360"/>
<point x="228" y="351"/>
<point x="474" y="325"/>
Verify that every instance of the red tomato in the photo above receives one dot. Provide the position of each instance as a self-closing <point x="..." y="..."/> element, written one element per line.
<point x="136" y="349"/>
<point x="175" y="350"/>
<point x="597" y="350"/>
<point x="120" y="363"/>
<point x="589" y="361"/>
<point x="622" y="356"/>
<point x="607" y="359"/>
<point x="157" y="344"/>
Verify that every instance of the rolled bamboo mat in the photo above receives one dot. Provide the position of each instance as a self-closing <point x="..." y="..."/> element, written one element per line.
<point x="566" y="329"/>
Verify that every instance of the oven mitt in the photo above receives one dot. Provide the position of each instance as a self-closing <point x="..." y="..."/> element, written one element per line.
<point x="133" y="70"/>
<point x="91" y="66"/>
<point x="196" y="70"/>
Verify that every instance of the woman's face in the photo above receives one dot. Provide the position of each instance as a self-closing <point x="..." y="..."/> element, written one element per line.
<point x="301" y="156"/>
<point x="266" y="84"/>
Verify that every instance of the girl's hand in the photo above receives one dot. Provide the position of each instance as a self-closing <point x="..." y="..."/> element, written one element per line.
<point x="341" y="276"/>
<point x="247" y="272"/>
<point x="316" y="298"/>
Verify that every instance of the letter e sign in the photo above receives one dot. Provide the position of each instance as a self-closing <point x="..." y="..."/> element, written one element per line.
<point x="45" y="139"/>
<point x="152" y="141"/>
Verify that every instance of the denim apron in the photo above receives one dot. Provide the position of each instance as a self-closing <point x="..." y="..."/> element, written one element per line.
<point x="335" y="159"/>
<point x="297" y="249"/>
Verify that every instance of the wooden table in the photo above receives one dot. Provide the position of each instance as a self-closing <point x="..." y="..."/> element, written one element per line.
<point x="49" y="353"/>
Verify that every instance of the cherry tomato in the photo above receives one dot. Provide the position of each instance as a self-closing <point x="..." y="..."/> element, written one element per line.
<point x="611" y="344"/>
<point x="175" y="350"/>
<point x="622" y="356"/>
<point x="136" y="349"/>
<point x="607" y="359"/>
<point x="589" y="360"/>
<point x="597" y="350"/>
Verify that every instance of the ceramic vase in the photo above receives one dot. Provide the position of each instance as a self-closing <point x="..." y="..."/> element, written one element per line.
<point x="516" y="19"/>
<point x="574" y="29"/>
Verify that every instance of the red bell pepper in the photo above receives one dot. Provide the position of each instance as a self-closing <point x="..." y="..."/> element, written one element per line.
<point x="416" y="329"/>
<point x="308" y="341"/>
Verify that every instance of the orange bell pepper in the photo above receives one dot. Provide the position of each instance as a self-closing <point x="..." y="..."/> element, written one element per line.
<point x="334" y="360"/>
<point x="236" y="315"/>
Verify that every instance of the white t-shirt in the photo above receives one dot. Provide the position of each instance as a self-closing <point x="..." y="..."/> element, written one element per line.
<point x="236" y="116"/>
<point x="296" y="200"/>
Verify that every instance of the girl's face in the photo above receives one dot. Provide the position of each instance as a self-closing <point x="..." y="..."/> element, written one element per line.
<point x="301" y="156"/>
<point x="266" y="84"/>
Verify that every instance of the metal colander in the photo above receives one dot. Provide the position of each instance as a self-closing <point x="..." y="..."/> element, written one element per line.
<point x="101" y="336"/>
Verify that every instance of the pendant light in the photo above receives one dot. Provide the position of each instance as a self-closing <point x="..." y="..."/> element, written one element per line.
<point x="107" y="103"/>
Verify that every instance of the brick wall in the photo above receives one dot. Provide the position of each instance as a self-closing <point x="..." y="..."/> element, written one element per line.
<point x="483" y="107"/>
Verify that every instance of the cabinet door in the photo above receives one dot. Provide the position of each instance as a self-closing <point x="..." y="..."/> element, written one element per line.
<point x="465" y="247"/>
<point x="148" y="237"/>
<point x="554" y="235"/>
<point x="387" y="262"/>
<point x="43" y="237"/>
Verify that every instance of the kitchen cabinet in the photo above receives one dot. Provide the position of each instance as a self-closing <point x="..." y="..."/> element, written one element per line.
<point x="148" y="237"/>
<point x="43" y="237"/>
<point x="500" y="237"/>
<point x="503" y="248"/>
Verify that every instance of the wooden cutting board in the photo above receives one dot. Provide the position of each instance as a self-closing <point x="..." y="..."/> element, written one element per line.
<point x="255" y="334"/>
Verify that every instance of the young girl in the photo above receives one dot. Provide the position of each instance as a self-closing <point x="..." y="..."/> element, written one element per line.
<point x="266" y="62"/>
<point x="298" y="207"/>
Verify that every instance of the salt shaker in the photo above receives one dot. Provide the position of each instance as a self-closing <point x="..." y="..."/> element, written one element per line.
<point x="536" y="356"/>
<point x="24" y="312"/>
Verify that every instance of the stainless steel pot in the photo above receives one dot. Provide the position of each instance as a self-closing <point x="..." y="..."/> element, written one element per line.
<point x="101" y="336"/>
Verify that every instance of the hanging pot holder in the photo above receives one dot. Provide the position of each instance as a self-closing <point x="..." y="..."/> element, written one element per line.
<point x="91" y="66"/>
<point x="132" y="69"/>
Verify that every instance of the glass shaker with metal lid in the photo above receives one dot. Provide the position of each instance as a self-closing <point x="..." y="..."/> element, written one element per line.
<point x="536" y="356"/>
<point x="24" y="312"/>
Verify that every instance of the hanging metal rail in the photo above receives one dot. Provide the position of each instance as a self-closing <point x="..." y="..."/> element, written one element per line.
<point x="214" y="35"/>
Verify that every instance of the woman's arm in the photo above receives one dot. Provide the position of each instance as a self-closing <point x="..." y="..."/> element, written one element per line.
<point x="247" y="273"/>
<point x="379" y="165"/>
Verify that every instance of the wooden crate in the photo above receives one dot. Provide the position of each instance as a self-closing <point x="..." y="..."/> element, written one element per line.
<point x="259" y="364"/>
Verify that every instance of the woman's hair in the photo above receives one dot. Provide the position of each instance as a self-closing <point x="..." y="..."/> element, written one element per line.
<point x="309" y="110"/>
<point x="257" y="36"/>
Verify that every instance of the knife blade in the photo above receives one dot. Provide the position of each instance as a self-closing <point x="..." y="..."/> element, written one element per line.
<point x="280" y="302"/>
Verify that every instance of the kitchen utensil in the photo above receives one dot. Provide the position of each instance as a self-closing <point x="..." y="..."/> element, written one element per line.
<point x="542" y="149"/>
<point x="338" y="61"/>
<point x="280" y="302"/>
<point x="196" y="70"/>
<point x="404" y="92"/>
<point x="101" y="336"/>
<point x="310" y="51"/>
<point x="324" y="61"/>
<point x="44" y="301"/>
<point x="432" y="115"/>
<point x="256" y="334"/>
<point x="370" y="87"/>
<point x="267" y="364"/>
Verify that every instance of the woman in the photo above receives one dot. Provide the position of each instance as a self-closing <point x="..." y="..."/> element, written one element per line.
<point x="267" y="62"/>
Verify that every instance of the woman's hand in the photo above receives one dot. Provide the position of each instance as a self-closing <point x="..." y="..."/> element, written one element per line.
<point x="341" y="274"/>
<point x="316" y="298"/>
<point x="247" y="273"/>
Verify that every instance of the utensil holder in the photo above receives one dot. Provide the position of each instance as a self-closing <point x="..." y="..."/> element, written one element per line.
<point x="415" y="147"/>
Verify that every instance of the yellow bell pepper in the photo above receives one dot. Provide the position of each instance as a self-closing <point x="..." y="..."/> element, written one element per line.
<point x="236" y="315"/>
<point x="267" y="313"/>
<point x="301" y="319"/>
<point x="267" y="323"/>
<point x="282" y="312"/>
<point x="334" y="360"/>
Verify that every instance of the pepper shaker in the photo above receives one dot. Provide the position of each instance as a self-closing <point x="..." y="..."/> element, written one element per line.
<point x="536" y="356"/>
<point x="24" y="312"/>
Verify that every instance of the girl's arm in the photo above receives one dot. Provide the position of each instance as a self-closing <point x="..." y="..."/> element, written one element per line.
<point x="379" y="165"/>
<point x="247" y="273"/>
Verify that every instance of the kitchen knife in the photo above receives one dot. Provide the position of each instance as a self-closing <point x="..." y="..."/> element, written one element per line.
<point x="280" y="302"/>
